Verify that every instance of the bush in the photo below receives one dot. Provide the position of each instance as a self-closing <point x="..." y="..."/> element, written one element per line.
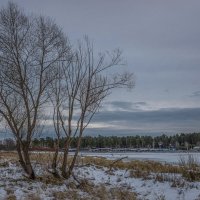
<point x="190" y="167"/>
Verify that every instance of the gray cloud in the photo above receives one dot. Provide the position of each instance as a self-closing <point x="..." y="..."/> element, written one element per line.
<point x="168" y="121"/>
<point x="162" y="115"/>
<point x="125" y="105"/>
<point x="161" y="35"/>
<point x="195" y="94"/>
<point x="120" y="104"/>
<point x="140" y="104"/>
<point x="174" y="120"/>
<point x="161" y="44"/>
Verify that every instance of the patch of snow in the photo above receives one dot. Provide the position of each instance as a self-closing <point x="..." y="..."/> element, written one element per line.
<point x="11" y="177"/>
<point x="3" y="193"/>
<point x="145" y="189"/>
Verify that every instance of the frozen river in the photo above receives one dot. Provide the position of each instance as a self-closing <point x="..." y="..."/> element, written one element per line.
<point x="161" y="157"/>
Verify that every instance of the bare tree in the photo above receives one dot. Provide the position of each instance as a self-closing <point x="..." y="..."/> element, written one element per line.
<point x="30" y="49"/>
<point x="57" y="97"/>
<point x="86" y="84"/>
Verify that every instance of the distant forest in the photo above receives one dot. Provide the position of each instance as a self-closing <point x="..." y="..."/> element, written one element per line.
<point x="181" y="141"/>
<point x="178" y="141"/>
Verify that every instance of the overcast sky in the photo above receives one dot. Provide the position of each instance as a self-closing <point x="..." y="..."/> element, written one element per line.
<point x="160" y="40"/>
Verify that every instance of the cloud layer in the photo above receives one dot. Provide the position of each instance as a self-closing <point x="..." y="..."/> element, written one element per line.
<point x="160" y="41"/>
<point x="140" y="121"/>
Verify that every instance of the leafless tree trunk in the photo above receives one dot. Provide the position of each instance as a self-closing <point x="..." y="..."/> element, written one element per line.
<point x="30" y="49"/>
<point x="57" y="97"/>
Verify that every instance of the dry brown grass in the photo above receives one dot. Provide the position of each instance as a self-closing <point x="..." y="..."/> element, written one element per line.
<point x="101" y="192"/>
<point x="138" y="169"/>
<point x="139" y="174"/>
<point x="33" y="197"/>
<point x="145" y="166"/>
<point x="12" y="155"/>
<point x="67" y="195"/>
<point x="104" y="193"/>
<point x="4" y="164"/>
<point x="92" y="192"/>
<point x="190" y="167"/>
<point x="148" y="166"/>
<point x="43" y="158"/>
<point x="50" y="179"/>
<point x="116" y="194"/>
<point x="11" y="197"/>
<point x="10" y="194"/>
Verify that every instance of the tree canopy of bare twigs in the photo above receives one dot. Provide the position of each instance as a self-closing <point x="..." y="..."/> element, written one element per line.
<point x="85" y="84"/>
<point x="30" y="49"/>
<point x="39" y="66"/>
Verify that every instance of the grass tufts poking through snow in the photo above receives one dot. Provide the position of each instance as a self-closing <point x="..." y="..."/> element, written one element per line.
<point x="96" y="179"/>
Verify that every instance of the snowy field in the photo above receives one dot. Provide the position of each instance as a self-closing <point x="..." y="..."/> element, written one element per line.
<point x="173" y="158"/>
<point x="13" y="184"/>
<point x="101" y="182"/>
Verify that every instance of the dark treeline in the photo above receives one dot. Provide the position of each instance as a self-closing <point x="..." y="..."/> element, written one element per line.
<point x="7" y="144"/>
<point x="178" y="141"/>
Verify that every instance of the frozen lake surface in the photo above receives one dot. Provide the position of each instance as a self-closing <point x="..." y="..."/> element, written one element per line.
<point x="160" y="157"/>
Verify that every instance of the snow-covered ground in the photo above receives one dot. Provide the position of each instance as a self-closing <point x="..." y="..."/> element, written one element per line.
<point x="146" y="189"/>
<point x="13" y="183"/>
<point x="160" y="157"/>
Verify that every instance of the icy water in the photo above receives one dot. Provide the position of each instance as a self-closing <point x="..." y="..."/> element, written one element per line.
<point x="160" y="157"/>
